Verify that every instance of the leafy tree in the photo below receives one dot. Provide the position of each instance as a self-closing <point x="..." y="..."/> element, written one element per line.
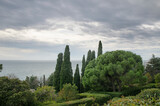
<point x="120" y="68"/>
<point x="153" y="66"/>
<point x="99" y="48"/>
<point x="14" y="92"/>
<point x="83" y="65"/>
<point x="66" y="70"/>
<point x="77" y="77"/>
<point x="69" y="92"/>
<point x="157" y="80"/>
<point x="32" y="81"/>
<point x="89" y="55"/>
<point x="56" y="75"/>
<point x="149" y="78"/>
<point x="93" y="55"/>
<point x="45" y="93"/>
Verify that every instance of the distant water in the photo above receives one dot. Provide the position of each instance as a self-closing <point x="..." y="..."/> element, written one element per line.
<point x="23" y="68"/>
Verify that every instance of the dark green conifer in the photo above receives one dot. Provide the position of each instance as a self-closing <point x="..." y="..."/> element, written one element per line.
<point x="99" y="49"/>
<point x="88" y="57"/>
<point x="56" y="75"/>
<point x="93" y="55"/>
<point x="83" y="65"/>
<point x="77" y="77"/>
<point x="66" y="70"/>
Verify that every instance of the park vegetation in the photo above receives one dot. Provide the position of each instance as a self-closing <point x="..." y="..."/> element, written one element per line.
<point x="111" y="78"/>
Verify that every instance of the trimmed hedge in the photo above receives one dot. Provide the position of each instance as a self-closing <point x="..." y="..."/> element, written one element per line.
<point x="86" y="101"/>
<point x="99" y="98"/>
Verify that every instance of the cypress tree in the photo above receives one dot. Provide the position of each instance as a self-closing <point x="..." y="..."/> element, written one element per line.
<point x="66" y="70"/>
<point x="88" y="57"/>
<point x="93" y="55"/>
<point x="83" y="65"/>
<point x="56" y="75"/>
<point x="77" y="77"/>
<point x="44" y="80"/>
<point x="99" y="49"/>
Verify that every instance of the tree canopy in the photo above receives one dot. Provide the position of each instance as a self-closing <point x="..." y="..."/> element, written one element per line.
<point x="77" y="77"/>
<point x="116" y="67"/>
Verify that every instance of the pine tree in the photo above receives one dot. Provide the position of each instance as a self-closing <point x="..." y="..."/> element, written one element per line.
<point x="56" y="75"/>
<point x="83" y="65"/>
<point x="93" y="55"/>
<point x="77" y="78"/>
<point x="66" y="70"/>
<point x="99" y="49"/>
<point x="88" y="57"/>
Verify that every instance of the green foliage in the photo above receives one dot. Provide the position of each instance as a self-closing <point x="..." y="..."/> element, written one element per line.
<point x="1" y="66"/>
<point x="56" y="76"/>
<point x="93" y="55"/>
<point x="89" y="55"/>
<point x="14" y="92"/>
<point x="99" y="49"/>
<point x="83" y="65"/>
<point x="33" y="82"/>
<point x="99" y="98"/>
<point x="149" y="77"/>
<point x="149" y="93"/>
<point x="131" y="91"/>
<point x="69" y="92"/>
<point x="45" y="93"/>
<point x="131" y="101"/>
<point x="153" y="66"/>
<point x="50" y="80"/>
<point x="119" y="68"/>
<point x="77" y="78"/>
<point x="86" y="101"/>
<point x="66" y="70"/>
<point x="157" y="80"/>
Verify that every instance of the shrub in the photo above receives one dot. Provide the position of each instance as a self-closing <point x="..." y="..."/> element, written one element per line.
<point x="131" y="91"/>
<point x="45" y="93"/>
<point x="128" y="102"/>
<point x="149" y="93"/>
<point x="157" y="80"/>
<point x="14" y="92"/>
<point x="99" y="98"/>
<point x="69" y="92"/>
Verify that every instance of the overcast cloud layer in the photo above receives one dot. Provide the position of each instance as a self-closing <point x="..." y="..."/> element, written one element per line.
<point x="40" y="29"/>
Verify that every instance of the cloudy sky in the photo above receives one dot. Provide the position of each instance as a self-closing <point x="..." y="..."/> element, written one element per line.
<point x="40" y="29"/>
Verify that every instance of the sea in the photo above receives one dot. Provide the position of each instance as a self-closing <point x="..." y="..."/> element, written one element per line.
<point x="23" y="68"/>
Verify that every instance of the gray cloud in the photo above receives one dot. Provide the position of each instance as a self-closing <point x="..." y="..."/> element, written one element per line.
<point x="123" y="24"/>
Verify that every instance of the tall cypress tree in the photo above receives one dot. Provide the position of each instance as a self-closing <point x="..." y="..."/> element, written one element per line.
<point x="66" y="70"/>
<point x="99" y="49"/>
<point x="77" y="78"/>
<point x="83" y="65"/>
<point x="88" y="57"/>
<point x="93" y="55"/>
<point x="56" y="75"/>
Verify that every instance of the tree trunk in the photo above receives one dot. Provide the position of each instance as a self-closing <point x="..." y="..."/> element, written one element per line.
<point x="113" y="86"/>
<point x="119" y="86"/>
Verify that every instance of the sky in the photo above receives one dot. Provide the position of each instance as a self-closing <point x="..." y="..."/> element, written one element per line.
<point x="40" y="29"/>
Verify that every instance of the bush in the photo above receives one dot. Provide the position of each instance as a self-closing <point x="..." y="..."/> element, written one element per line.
<point x="69" y="92"/>
<point x="14" y="92"/>
<point x="149" y="93"/>
<point x="45" y="93"/>
<point x="131" y="91"/>
<point x="99" y="98"/>
<point x="157" y="80"/>
<point x="86" y="101"/>
<point x="128" y="102"/>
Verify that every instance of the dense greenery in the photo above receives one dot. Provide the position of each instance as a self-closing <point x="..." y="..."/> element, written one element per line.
<point x="99" y="49"/>
<point x="45" y="93"/>
<point x="153" y="66"/>
<point x="66" y="69"/>
<point x="157" y="80"/>
<point x="118" y="68"/>
<point x="76" y="79"/>
<point x="93" y="55"/>
<point x="14" y="92"/>
<point x="69" y="92"/>
<point x="89" y="55"/>
<point x="83" y="65"/>
<point x="56" y="76"/>
<point x="33" y="82"/>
